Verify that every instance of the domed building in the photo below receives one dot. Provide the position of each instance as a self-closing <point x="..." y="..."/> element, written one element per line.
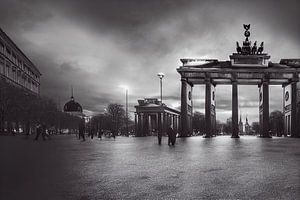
<point x="74" y="108"/>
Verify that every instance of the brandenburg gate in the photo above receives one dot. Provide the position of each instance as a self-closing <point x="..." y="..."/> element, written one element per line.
<point x="248" y="66"/>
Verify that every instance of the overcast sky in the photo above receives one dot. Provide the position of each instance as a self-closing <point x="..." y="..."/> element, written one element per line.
<point x="98" y="45"/>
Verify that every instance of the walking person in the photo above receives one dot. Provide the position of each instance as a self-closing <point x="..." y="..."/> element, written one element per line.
<point x="169" y="133"/>
<point x="100" y="133"/>
<point x="159" y="136"/>
<point x="171" y="136"/>
<point x="40" y="129"/>
<point x="92" y="132"/>
<point x="81" y="129"/>
<point x="113" y="134"/>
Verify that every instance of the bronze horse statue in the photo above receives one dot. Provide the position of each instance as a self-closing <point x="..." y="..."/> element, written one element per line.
<point x="254" y="48"/>
<point x="261" y="48"/>
<point x="238" y="48"/>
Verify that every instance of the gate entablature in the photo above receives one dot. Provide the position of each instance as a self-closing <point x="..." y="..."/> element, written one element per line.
<point x="248" y="66"/>
<point x="278" y="74"/>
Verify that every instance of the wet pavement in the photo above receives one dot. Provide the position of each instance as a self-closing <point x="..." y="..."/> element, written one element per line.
<point x="138" y="168"/>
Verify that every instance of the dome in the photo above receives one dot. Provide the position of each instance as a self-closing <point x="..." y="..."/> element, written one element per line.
<point x="72" y="106"/>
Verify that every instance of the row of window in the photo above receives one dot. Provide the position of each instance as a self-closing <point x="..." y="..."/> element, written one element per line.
<point x="17" y="76"/>
<point x="16" y="60"/>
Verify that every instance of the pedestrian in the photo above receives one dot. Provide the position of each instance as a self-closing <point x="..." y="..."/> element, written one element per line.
<point x="159" y="136"/>
<point x="169" y="133"/>
<point x="44" y="131"/>
<point x="100" y="133"/>
<point x="92" y="132"/>
<point x="81" y="129"/>
<point x="171" y="136"/>
<point x="40" y="130"/>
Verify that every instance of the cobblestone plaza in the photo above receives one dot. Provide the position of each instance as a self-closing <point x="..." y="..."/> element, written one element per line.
<point x="138" y="168"/>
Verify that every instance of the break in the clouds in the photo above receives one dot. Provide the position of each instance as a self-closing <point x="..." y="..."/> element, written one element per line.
<point x="95" y="46"/>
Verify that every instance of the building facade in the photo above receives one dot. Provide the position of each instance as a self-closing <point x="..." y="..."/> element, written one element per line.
<point x="152" y="117"/>
<point x="15" y="66"/>
<point x="249" y="65"/>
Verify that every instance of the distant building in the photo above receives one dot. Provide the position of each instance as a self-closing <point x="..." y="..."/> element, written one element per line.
<point x="247" y="127"/>
<point x="152" y="117"/>
<point x="73" y="108"/>
<point x="15" y="66"/>
<point x="241" y="126"/>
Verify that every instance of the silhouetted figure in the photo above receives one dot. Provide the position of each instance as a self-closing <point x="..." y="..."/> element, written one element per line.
<point x="100" y="134"/>
<point x="113" y="134"/>
<point x="159" y="136"/>
<point x="40" y="129"/>
<point x="81" y="129"/>
<point x="92" y="132"/>
<point x="171" y="136"/>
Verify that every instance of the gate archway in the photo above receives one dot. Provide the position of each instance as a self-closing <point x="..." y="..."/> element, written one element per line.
<point x="248" y="66"/>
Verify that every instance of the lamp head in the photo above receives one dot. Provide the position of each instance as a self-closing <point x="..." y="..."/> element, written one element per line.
<point x="125" y="87"/>
<point x="160" y="75"/>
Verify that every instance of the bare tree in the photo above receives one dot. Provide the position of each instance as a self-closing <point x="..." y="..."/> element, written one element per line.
<point x="255" y="127"/>
<point x="277" y="123"/>
<point x="199" y="122"/>
<point x="116" y="114"/>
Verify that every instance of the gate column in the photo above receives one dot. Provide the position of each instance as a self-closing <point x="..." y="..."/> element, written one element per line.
<point x="235" y="111"/>
<point x="294" y="117"/>
<point x="208" y="128"/>
<point x="265" y="114"/>
<point x="184" y="108"/>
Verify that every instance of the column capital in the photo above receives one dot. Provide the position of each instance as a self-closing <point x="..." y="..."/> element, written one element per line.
<point x="295" y="78"/>
<point x="233" y="80"/>
<point x="207" y="80"/>
<point x="266" y="78"/>
<point x="183" y="79"/>
<point x="233" y="76"/>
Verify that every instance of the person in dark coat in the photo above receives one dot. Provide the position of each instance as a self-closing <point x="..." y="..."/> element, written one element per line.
<point x="171" y="136"/>
<point x="40" y="129"/>
<point x="92" y="132"/>
<point x="169" y="133"/>
<point x="81" y="129"/>
<point x="159" y="136"/>
<point x="100" y="133"/>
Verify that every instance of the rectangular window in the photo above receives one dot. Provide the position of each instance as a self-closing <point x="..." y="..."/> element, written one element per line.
<point x="2" y="66"/>
<point x="8" y="52"/>
<point x="7" y="72"/>
<point x="13" y="72"/>
<point x="18" y="76"/>
<point x="14" y="58"/>
<point x="25" y="68"/>
<point x="1" y="47"/>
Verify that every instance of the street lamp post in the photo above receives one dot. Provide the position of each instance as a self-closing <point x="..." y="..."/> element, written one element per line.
<point x="126" y="107"/>
<point x="126" y="111"/>
<point x="161" y="75"/>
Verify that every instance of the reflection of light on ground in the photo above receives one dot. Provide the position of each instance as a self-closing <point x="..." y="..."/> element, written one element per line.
<point x="139" y="168"/>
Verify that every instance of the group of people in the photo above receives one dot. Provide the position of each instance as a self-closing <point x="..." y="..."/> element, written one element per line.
<point x="41" y="130"/>
<point x="91" y="132"/>
<point x="171" y="136"/>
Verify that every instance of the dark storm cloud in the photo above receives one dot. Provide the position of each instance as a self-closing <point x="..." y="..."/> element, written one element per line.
<point x="97" y="45"/>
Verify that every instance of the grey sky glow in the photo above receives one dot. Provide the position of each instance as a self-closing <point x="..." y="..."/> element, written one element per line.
<point x="98" y="45"/>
